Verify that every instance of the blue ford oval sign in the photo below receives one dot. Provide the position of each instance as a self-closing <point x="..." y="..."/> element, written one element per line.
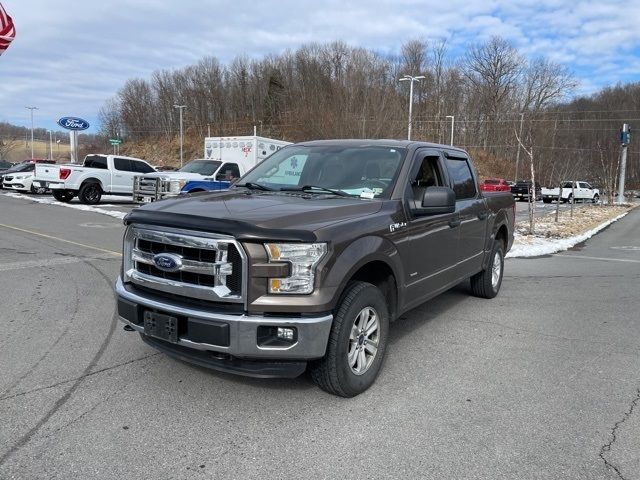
<point x="167" y="262"/>
<point x="73" y="123"/>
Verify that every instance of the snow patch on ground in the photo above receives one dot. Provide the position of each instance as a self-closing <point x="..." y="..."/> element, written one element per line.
<point x="52" y="201"/>
<point x="538" y="246"/>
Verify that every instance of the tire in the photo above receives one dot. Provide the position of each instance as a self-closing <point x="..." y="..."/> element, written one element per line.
<point x="90" y="193"/>
<point x="596" y="198"/>
<point x="570" y="199"/>
<point x="37" y="190"/>
<point x="546" y="200"/>
<point x="334" y="373"/>
<point x="486" y="284"/>
<point x="63" y="195"/>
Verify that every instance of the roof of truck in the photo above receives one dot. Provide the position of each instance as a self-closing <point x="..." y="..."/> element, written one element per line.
<point x="380" y="143"/>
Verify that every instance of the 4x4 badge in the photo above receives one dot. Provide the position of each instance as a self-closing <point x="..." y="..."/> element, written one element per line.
<point x="397" y="226"/>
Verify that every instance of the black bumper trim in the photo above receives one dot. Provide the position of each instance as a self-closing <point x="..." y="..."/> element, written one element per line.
<point x="235" y="365"/>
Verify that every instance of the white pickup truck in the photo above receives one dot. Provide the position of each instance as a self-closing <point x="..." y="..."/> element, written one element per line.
<point x="571" y="191"/>
<point x="99" y="174"/>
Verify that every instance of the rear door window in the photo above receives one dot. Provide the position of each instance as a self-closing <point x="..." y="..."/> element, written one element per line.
<point x="96" y="161"/>
<point x="461" y="177"/>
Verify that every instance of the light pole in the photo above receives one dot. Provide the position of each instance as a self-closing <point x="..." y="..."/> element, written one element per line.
<point x="180" y="107"/>
<point x="452" y="117"/>
<point x="50" y="146"/>
<point x="32" y="109"/>
<point x="411" y="79"/>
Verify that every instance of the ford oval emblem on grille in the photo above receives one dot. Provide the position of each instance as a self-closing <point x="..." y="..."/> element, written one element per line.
<point x="167" y="262"/>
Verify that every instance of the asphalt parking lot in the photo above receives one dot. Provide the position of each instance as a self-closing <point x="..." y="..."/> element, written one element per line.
<point x="541" y="382"/>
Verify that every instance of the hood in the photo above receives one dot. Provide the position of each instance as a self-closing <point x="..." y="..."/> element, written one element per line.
<point x="177" y="175"/>
<point x="255" y="215"/>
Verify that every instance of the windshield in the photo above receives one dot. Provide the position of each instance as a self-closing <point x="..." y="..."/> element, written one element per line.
<point x="22" y="167"/>
<point x="359" y="171"/>
<point x="567" y="185"/>
<point x="203" y="167"/>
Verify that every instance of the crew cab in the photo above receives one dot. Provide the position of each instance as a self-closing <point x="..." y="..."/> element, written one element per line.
<point x="495" y="185"/>
<point x="305" y="261"/>
<point x="571" y="191"/>
<point x="523" y="188"/>
<point x="98" y="174"/>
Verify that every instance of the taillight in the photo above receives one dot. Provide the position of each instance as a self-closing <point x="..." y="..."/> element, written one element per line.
<point x="64" y="173"/>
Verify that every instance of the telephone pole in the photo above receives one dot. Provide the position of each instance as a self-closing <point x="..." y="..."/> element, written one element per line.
<point x="518" y="154"/>
<point x="625" y="137"/>
<point x="180" y="107"/>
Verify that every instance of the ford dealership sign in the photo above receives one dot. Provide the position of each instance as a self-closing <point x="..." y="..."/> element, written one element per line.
<point x="73" y="123"/>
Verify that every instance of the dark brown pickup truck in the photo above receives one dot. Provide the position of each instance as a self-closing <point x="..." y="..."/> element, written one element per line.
<point x="308" y="258"/>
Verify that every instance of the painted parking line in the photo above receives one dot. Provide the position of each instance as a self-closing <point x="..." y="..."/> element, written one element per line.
<point x="604" y="259"/>
<point x="49" y="262"/>
<point x="64" y="240"/>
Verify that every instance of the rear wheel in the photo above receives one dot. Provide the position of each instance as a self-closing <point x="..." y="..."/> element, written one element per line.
<point x="486" y="284"/>
<point x="357" y="342"/>
<point x="63" y="195"/>
<point x="546" y="200"/>
<point x="90" y="193"/>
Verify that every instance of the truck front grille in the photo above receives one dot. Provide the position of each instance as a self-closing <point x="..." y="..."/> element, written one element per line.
<point x="146" y="185"/>
<point x="202" y="266"/>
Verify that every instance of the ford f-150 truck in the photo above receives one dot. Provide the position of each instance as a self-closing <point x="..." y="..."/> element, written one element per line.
<point x="571" y="191"/>
<point x="99" y="174"/>
<point x="306" y="260"/>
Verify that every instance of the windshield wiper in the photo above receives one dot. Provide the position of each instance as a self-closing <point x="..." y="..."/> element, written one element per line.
<point x="255" y="186"/>
<point x="307" y="188"/>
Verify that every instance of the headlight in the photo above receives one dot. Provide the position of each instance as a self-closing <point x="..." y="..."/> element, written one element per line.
<point x="20" y="177"/>
<point x="176" y="185"/>
<point x="303" y="258"/>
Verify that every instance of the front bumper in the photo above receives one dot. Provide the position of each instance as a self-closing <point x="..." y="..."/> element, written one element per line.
<point x="235" y="336"/>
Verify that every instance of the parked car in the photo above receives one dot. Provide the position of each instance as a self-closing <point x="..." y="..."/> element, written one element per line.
<point x="571" y="191"/>
<point x="522" y="189"/>
<point x="495" y="185"/>
<point x="5" y="165"/>
<point x="20" y="178"/>
<point x="99" y="174"/>
<point x="308" y="257"/>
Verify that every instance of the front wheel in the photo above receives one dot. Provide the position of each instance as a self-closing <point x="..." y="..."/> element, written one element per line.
<point x="357" y="342"/>
<point x="62" y="195"/>
<point x="596" y="198"/>
<point x="546" y="200"/>
<point x="486" y="284"/>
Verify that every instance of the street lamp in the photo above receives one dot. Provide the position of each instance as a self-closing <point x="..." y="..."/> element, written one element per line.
<point x="411" y="79"/>
<point x="32" y="109"/>
<point x="452" y="117"/>
<point x="180" y="107"/>
<point x="50" y="146"/>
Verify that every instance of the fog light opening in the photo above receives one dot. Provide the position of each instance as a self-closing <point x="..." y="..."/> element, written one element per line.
<point x="275" y="337"/>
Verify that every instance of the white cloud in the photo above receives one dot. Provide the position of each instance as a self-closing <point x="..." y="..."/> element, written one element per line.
<point x="68" y="59"/>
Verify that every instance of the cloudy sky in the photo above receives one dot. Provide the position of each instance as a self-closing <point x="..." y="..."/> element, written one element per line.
<point x="69" y="57"/>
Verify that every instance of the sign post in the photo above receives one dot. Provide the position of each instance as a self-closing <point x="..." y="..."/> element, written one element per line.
<point x="73" y="124"/>
<point x="115" y="143"/>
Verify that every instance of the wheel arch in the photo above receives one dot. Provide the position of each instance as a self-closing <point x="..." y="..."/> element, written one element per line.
<point x="373" y="260"/>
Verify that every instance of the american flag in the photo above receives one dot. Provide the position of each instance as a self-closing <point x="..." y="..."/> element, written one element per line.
<point x="7" y="30"/>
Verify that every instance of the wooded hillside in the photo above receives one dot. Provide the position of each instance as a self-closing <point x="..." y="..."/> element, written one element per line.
<point x="337" y="91"/>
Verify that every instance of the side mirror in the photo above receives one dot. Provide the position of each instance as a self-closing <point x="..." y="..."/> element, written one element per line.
<point x="436" y="200"/>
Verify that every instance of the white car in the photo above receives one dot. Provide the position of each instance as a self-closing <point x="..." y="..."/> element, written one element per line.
<point x="21" y="179"/>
